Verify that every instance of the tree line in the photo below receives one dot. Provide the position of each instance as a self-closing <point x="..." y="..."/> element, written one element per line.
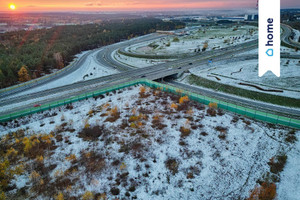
<point x="26" y="55"/>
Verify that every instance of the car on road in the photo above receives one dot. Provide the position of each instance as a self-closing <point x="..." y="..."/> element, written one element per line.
<point x="143" y="76"/>
<point x="37" y="105"/>
<point x="190" y="63"/>
<point x="179" y="68"/>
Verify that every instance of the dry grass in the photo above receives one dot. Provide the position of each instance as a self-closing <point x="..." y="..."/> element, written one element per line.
<point x="267" y="191"/>
<point x="277" y="163"/>
<point x="173" y="165"/>
<point x="213" y="105"/>
<point x="113" y="115"/>
<point x="92" y="133"/>
<point x="183" y="99"/>
<point x="211" y="112"/>
<point x="94" y="162"/>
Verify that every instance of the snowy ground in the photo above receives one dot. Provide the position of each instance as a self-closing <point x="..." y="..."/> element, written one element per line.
<point x="297" y="35"/>
<point x="216" y="37"/>
<point x="145" y="145"/>
<point x="137" y="62"/>
<point x="234" y="73"/>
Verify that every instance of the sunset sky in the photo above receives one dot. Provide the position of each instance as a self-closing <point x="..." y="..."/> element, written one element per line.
<point x="107" y="5"/>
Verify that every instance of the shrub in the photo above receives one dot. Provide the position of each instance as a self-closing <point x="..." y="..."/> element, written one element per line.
<point x="156" y="117"/>
<point x="267" y="191"/>
<point x="176" y="39"/>
<point x="235" y="119"/>
<point x="221" y="129"/>
<point x="123" y="166"/>
<point x="277" y="164"/>
<point x="203" y="133"/>
<point x="174" y="106"/>
<point x="11" y="152"/>
<point x="93" y="133"/>
<point x="156" y="122"/>
<point x="88" y="195"/>
<point x="131" y="188"/>
<point x="71" y="157"/>
<point x="91" y="113"/>
<point x="35" y="176"/>
<point x="172" y="164"/>
<point x="114" y="111"/>
<point x="2" y="196"/>
<point x="93" y="162"/>
<point x="60" y="196"/>
<point x="183" y="99"/>
<point x="190" y="112"/>
<point x="102" y="197"/>
<point x="133" y="118"/>
<point x="220" y="112"/>
<point x="86" y="124"/>
<point x="40" y="158"/>
<point x="291" y="137"/>
<point x="213" y="105"/>
<point x="27" y="144"/>
<point x="133" y="125"/>
<point x="115" y="191"/>
<point x="142" y="90"/>
<point x="212" y="112"/>
<point x="114" y="115"/>
<point x="185" y="131"/>
<point x="222" y="136"/>
<point x="58" y="173"/>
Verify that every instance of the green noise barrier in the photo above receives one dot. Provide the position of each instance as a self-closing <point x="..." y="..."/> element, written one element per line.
<point x="251" y="113"/>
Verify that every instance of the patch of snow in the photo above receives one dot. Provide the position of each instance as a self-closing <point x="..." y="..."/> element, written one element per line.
<point x="214" y="36"/>
<point x="233" y="73"/>
<point x="137" y="62"/>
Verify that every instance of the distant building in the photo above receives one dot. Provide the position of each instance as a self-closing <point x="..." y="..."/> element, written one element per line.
<point x="251" y="17"/>
<point x="234" y="19"/>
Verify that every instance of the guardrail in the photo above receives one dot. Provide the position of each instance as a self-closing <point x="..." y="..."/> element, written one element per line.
<point x="251" y="113"/>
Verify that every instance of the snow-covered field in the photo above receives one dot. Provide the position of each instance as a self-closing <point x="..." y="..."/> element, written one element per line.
<point x="137" y="62"/>
<point x="142" y="143"/>
<point x="215" y="37"/>
<point x="297" y="35"/>
<point x="234" y="73"/>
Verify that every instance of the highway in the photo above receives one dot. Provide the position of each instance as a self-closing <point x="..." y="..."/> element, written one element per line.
<point x="286" y="36"/>
<point x="10" y="104"/>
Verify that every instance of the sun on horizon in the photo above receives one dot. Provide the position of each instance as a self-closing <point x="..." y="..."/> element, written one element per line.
<point x="12" y="6"/>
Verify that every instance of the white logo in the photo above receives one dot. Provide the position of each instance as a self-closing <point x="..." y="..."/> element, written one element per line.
<point x="269" y="37"/>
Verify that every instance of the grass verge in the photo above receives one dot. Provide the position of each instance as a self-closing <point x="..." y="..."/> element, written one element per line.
<point x="274" y="99"/>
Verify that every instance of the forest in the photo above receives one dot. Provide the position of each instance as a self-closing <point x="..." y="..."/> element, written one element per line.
<point x="32" y="54"/>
